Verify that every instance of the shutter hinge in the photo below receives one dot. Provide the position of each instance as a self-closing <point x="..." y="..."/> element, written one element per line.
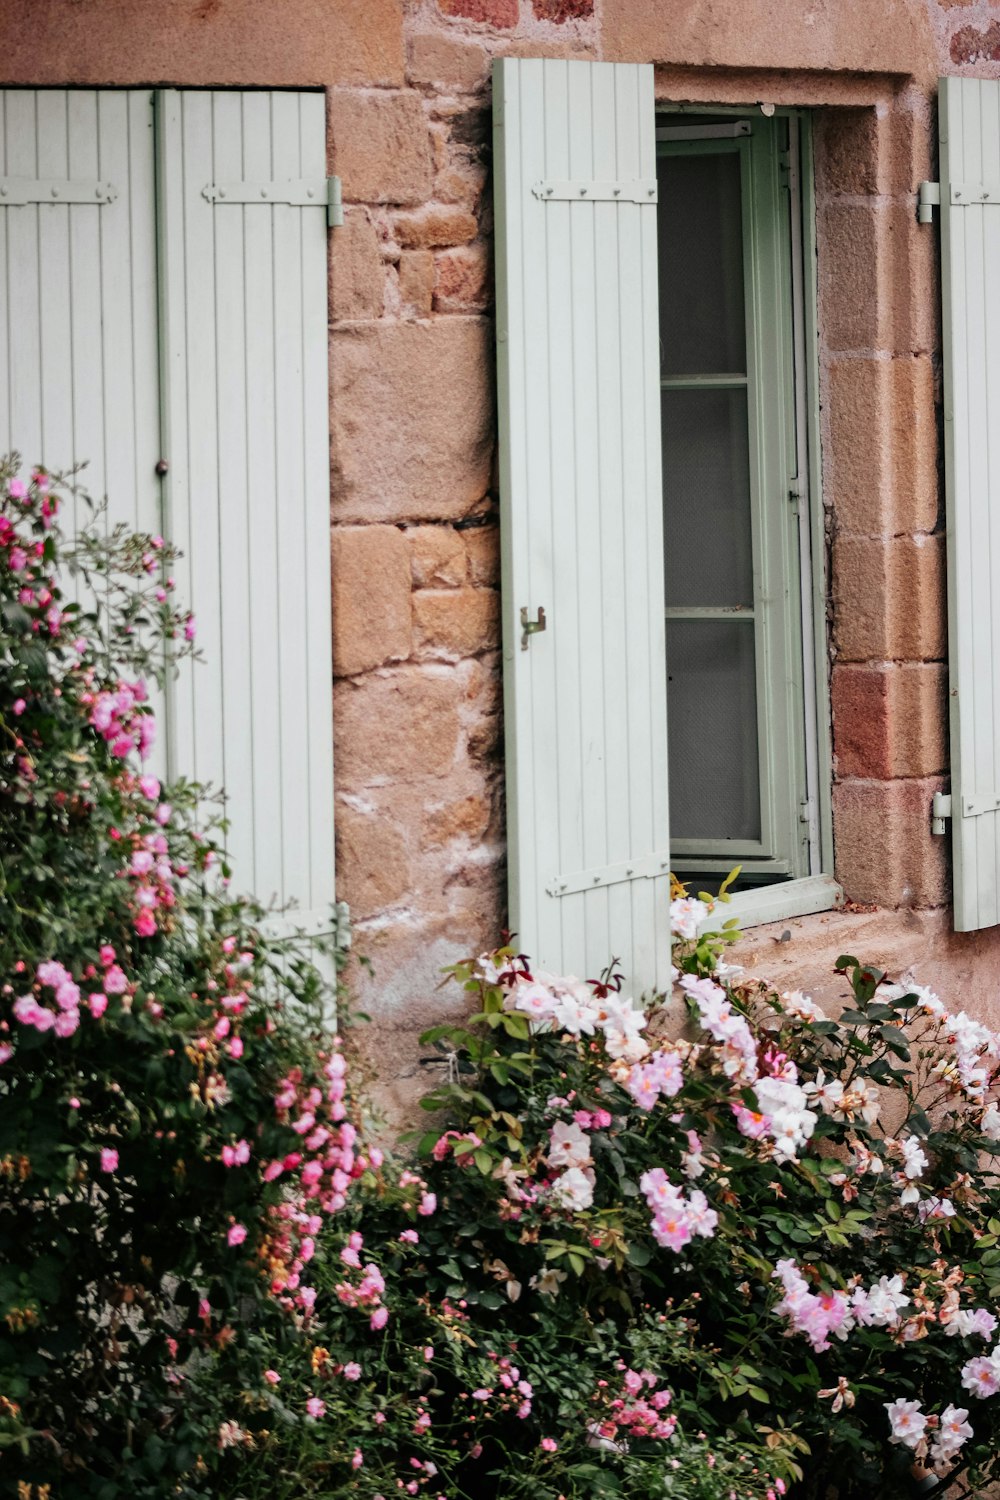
<point x="928" y="199"/>
<point x="647" y="867"/>
<point x="15" y="192"/>
<point x="806" y="810"/>
<point x="940" y="810"/>
<point x="334" y="203"/>
<point x="637" y="191"/>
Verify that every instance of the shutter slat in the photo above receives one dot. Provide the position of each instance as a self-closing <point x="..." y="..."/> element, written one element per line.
<point x="246" y="283"/>
<point x="970" y="152"/>
<point x="581" y="514"/>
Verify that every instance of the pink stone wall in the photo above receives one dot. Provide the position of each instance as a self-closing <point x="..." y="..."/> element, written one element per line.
<point x="413" y="491"/>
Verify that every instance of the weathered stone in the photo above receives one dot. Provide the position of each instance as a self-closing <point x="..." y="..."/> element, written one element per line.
<point x="416" y="282"/>
<point x="439" y="60"/>
<point x="909" y="277"/>
<point x="437" y="557"/>
<point x="468" y="817"/>
<point x="380" y="146"/>
<point x="883" y="845"/>
<point x="482" y="543"/>
<point x="371" y="597"/>
<point x="373" y="865"/>
<point x="881" y="474"/>
<point x="499" y="13"/>
<point x="889" y="720"/>
<point x="971" y="45"/>
<point x="889" y="600"/>
<point x="848" y="259"/>
<point x="357" y="275"/>
<point x="242" y="43"/>
<point x="412" y="419"/>
<point x="559" y="11"/>
<point x="893" y="37"/>
<point x="456" y="622"/>
<point x="434" y="226"/>
<point x="462" y="281"/>
<point x="398" y="726"/>
<point x="847" y="157"/>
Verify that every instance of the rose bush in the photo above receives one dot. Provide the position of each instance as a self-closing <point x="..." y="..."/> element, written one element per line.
<point x="173" y="1115"/>
<point x="716" y="1245"/>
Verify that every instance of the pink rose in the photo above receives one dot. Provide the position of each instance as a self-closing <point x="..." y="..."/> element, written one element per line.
<point x="237" y="1234"/>
<point x="109" y="1159"/>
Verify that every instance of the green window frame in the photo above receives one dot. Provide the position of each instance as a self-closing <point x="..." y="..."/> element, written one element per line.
<point x="786" y="613"/>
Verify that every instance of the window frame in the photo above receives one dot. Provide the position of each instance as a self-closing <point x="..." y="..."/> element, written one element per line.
<point x="814" y="887"/>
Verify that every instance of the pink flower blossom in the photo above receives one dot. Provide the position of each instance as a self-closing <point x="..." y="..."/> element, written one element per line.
<point x="237" y="1234"/>
<point x="315" y="1407"/>
<point x="109" y="1159"/>
<point x="272" y="1377"/>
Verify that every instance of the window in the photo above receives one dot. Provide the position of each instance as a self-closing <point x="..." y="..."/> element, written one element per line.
<point x="742" y="711"/>
<point x="163" y="297"/>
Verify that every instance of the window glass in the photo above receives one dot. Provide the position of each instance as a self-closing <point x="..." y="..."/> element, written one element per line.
<point x="701" y="265"/>
<point x="706" y="486"/>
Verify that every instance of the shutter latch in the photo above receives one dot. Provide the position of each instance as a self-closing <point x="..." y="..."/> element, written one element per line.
<point x="928" y="199"/>
<point x="530" y="627"/>
<point x="940" y="810"/>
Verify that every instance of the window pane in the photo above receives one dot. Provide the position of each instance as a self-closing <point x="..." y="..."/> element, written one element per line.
<point x="706" y="497"/>
<point x="712" y="723"/>
<point x="701" y="265"/>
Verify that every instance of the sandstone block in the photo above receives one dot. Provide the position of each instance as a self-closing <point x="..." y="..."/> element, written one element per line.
<point x="849" y="290"/>
<point x="890" y="720"/>
<point x="889" y="599"/>
<point x="482" y="544"/>
<point x="435" y="226"/>
<point x="884" y="850"/>
<point x="416" y="282"/>
<point x="456" y="622"/>
<point x="910" y="279"/>
<point x="882" y="454"/>
<point x="467" y="817"/>
<point x="371" y="598"/>
<point x="974" y="44"/>
<point x="357" y="276"/>
<point x="380" y="146"/>
<point x="559" y="11"/>
<point x="437" y="557"/>
<point x="462" y="281"/>
<point x="448" y="63"/>
<point x="297" y="44"/>
<point x="397" y="726"/>
<point x="373" y="864"/>
<point x="412" y="419"/>
<point x="847" y="156"/>
<point x="499" y="13"/>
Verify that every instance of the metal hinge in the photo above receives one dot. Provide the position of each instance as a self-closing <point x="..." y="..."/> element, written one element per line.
<point x="649" y="867"/>
<point x="972" y="194"/>
<point x="940" y="810"/>
<point x="308" y="192"/>
<point x="928" y="199"/>
<point x="531" y="627"/>
<point x="15" y="192"/>
<point x="596" y="192"/>
<point x="806" y="810"/>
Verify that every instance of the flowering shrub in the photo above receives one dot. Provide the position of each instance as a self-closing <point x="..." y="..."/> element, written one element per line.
<point x="173" y="1122"/>
<point x="764" y="1244"/>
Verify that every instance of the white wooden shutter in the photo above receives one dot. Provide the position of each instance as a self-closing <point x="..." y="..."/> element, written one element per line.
<point x="577" y="337"/>
<point x="970" y="235"/>
<point x="244" y="372"/>
<point x="78" y="340"/>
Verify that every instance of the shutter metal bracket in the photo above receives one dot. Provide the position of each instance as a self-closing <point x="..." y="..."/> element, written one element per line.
<point x="15" y="192"/>
<point x="928" y="199"/>
<point x="641" y="191"/>
<point x="940" y="811"/>
<point x="531" y="627"/>
<point x="973" y="194"/>
<point x="334" y="203"/>
<point x="649" y="867"/>
<point x="299" y="193"/>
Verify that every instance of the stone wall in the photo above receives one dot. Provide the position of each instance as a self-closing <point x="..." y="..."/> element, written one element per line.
<point x="413" y="508"/>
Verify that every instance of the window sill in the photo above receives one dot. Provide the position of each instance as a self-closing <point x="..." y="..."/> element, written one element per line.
<point x="777" y="903"/>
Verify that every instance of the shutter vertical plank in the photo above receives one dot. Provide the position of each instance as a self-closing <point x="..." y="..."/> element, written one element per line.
<point x="311" y="844"/>
<point x="85" y="347"/>
<point x="581" y="527"/>
<point x="55" y="382"/>
<point x="264" y="494"/>
<point x="970" y="236"/>
<point x="22" y="282"/>
<point x="250" y="337"/>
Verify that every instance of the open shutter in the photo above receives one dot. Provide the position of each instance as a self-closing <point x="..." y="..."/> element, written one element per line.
<point x="585" y="698"/>
<point x="78" y="343"/>
<point x="242" y="220"/>
<point x="970" y="234"/>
